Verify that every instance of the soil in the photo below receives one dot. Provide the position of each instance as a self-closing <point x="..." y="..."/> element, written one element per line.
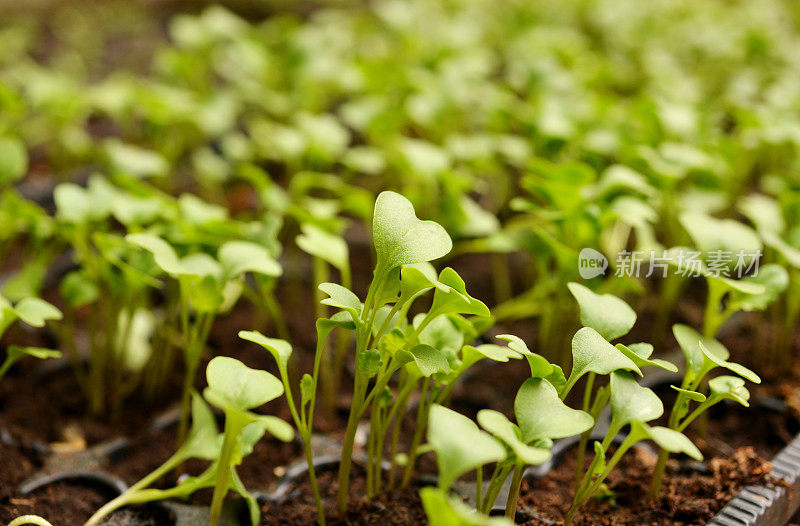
<point x="390" y="507"/>
<point x="691" y="493"/>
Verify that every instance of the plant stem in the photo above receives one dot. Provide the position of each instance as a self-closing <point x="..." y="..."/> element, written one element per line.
<point x="513" y="491"/>
<point x="422" y="417"/>
<point x="232" y="428"/>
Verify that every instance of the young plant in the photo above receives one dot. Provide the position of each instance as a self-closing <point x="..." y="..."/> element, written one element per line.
<point x="206" y="287"/>
<point x="611" y="318"/>
<point x="33" y="311"/>
<point x="702" y="355"/>
<point x="236" y="389"/>
<point x="541" y="417"/>
<point x="460" y="447"/>
<point x="633" y="406"/>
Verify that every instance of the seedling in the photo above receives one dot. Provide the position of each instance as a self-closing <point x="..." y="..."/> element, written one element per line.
<point x="236" y="389"/>
<point x="633" y="406"/>
<point x="33" y="311"/>
<point x="702" y="355"/>
<point x="541" y="417"/>
<point x="206" y="286"/>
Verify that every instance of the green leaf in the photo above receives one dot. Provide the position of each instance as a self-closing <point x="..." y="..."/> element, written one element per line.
<point x="341" y="298"/>
<point x="764" y="212"/>
<point x="773" y="278"/>
<point x="788" y="252"/>
<point x="689" y="341"/>
<point x="542" y="415"/>
<point x="205" y="294"/>
<point x="134" y="160"/>
<point x="400" y="238"/>
<point x="79" y="289"/>
<point x="15" y="352"/>
<point x="233" y="385"/>
<point x="13" y="160"/>
<point x="731" y="387"/>
<point x="442" y="334"/>
<point x="164" y="255"/>
<point x="306" y="389"/>
<point x="711" y="234"/>
<point x="203" y="440"/>
<point x="691" y="395"/>
<point x="321" y="244"/>
<point x="277" y="427"/>
<point x="631" y="402"/>
<point x="369" y="362"/>
<point x="418" y="278"/>
<point x="459" y="444"/>
<point x="444" y="510"/>
<point x="455" y="300"/>
<point x="639" y="354"/>
<point x="498" y="425"/>
<point x="712" y="358"/>
<point x="669" y="439"/>
<point x="239" y="257"/>
<point x="36" y="312"/>
<point x="592" y="353"/>
<point x="281" y="350"/>
<point x="428" y="360"/>
<point x="607" y="314"/>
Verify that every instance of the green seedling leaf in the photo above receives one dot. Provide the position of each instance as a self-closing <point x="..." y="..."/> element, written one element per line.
<point x="239" y="257"/>
<point x="541" y="415"/>
<point x="459" y="444"/>
<point x="418" y="278"/>
<point x="400" y="238"/>
<point x="515" y="343"/>
<point x="607" y="314"/>
<point x="731" y="387"/>
<point x="441" y="334"/>
<point x="456" y="300"/>
<point x="668" y="439"/>
<point x="341" y="298"/>
<point x="712" y="359"/>
<point x="691" y="395"/>
<point x="134" y="160"/>
<point x="206" y="295"/>
<point x="788" y="252"/>
<point x="197" y="212"/>
<point x="632" y="402"/>
<point x="306" y="389"/>
<point x="773" y="278"/>
<point x="426" y="361"/>
<point x="639" y="354"/>
<point x="234" y="386"/>
<point x="203" y="440"/>
<point x="281" y="350"/>
<point x="764" y="212"/>
<point x="498" y="353"/>
<point x="13" y="160"/>
<point x="35" y="311"/>
<point x="79" y="289"/>
<point x="689" y="341"/>
<point x="321" y="244"/>
<point x="498" y="425"/>
<point x="15" y="352"/>
<point x="592" y="353"/>
<point x="444" y="510"/>
<point x="277" y="427"/>
<point x="711" y="234"/>
<point x="163" y="254"/>
<point x="369" y="363"/>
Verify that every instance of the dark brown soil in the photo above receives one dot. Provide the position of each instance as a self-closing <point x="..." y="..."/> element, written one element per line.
<point x="391" y="507"/>
<point x="689" y="496"/>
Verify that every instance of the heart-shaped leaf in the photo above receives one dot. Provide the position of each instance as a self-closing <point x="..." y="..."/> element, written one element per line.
<point x="164" y="255"/>
<point x="498" y="425"/>
<point x="341" y="298"/>
<point x="281" y="350"/>
<point x="326" y="246"/>
<point x="592" y="353"/>
<point x="542" y="415"/>
<point x="731" y="387"/>
<point x="277" y="428"/>
<point x="239" y="257"/>
<point x="605" y="313"/>
<point x="426" y="361"/>
<point x="36" y="312"/>
<point x="631" y="402"/>
<point x="203" y="440"/>
<point x="459" y="444"/>
<point x="773" y="278"/>
<point x="400" y="238"/>
<point x="233" y="385"/>
<point x="668" y="439"/>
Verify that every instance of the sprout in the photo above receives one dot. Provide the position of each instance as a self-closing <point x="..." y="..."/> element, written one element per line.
<point x="236" y="389"/>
